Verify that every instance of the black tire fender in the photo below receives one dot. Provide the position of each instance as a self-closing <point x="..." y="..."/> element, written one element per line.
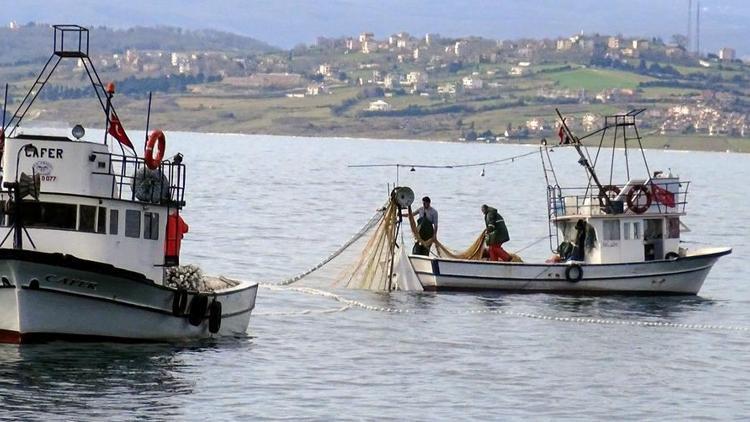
<point x="574" y="273"/>
<point x="214" y="316"/>
<point x="179" y="302"/>
<point x="198" y="307"/>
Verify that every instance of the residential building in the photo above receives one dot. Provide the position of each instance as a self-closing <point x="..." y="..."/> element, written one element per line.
<point x="379" y="105"/>
<point x="431" y="39"/>
<point x="317" y="89"/>
<point x="613" y="42"/>
<point x="352" y="44"/>
<point x="640" y="44"/>
<point x="472" y="83"/>
<point x="416" y="77"/>
<point x="391" y="81"/>
<point x="326" y="69"/>
<point x="447" y="89"/>
<point x="366" y="36"/>
<point x="564" y="44"/>
<point x="461" y="48"/>
<point x="369" y="47"/>
<point x="727" y="54"/>
<point x="629" y="52"/>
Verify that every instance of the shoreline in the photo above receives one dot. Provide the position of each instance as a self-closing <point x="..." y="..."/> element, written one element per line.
<point x="666" y="143"/>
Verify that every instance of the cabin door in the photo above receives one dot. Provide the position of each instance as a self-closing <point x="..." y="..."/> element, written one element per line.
<point x="653" y="239"/>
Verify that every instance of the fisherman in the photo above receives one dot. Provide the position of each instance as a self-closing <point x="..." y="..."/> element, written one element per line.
<point x="496" y="234"/>
<point x="427" y="227"/>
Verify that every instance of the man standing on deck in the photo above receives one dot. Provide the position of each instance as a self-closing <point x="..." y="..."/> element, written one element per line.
<point x="427" y="227"/>
<point x="496" y="235"/>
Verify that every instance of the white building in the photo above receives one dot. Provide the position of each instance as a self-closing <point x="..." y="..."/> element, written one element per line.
<point x="727" y="54"/>
<point x="416" y="79"/>
<point x="431" y="39"/>
<point x="326" y="69"/>
<point x="447" y="89"/>
<point x="391" y="81"/>
<point x="461" y="49"/>
<point x="472" y="83"/>
<point x="369" y="47"/>
<point x="316" y="89"/>
<point x="380" y="105"/>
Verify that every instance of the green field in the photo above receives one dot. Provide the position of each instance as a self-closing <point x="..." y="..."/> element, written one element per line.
<point x="597" y="79"/>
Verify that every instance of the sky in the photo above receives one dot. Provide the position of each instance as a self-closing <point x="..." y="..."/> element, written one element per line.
<point x="285" y="23"/>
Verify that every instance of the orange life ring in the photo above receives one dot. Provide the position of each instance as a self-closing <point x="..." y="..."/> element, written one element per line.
<point x="635" y="193"/>
<point x="151" y="161"/>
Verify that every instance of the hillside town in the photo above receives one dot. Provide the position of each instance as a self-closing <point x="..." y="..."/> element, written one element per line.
<point x="408" y="76"/>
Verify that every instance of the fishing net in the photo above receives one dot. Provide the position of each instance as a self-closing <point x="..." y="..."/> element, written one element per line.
<point x="373" y="268"/>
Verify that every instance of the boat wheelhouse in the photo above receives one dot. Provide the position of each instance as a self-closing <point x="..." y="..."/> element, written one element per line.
<point x="93" y="232"/>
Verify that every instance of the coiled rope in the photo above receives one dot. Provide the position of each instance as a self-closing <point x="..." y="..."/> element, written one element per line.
<point x="369" y="225"/>
<point x="350" y="303"/>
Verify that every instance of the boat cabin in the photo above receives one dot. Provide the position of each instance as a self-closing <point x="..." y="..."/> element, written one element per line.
<point x="93" y="203"/>
<point x="641" y="222"/>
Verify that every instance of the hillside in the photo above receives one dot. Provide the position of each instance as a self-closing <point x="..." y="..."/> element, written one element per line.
<point x="33" y="42"/>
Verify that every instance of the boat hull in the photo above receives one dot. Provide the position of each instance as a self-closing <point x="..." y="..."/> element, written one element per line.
<point x="675" y="276"/>
<point x="50" y="296"/>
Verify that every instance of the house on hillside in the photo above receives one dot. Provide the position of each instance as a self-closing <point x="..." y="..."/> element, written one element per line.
<point x="472" y="83"/>
<point x="379" y="105"/>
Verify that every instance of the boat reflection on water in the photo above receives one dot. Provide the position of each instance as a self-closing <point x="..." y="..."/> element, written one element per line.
<point x="80" y="376"/>
<point x="614" y="307"/>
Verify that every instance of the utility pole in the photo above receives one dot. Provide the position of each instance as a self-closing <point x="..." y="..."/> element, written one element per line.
<point x="690" y="24"/>
<point x="698" y="30"/>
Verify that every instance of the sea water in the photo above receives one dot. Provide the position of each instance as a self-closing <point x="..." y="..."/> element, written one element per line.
<point x="265" y="208"/>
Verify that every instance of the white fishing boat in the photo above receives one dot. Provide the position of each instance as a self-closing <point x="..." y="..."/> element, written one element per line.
<point x="614" y="238"/>
<point x="92" y="234"/>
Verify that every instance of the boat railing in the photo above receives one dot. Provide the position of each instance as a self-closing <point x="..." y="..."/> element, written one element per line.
<point x="134" y="181"/>
<point x="656" y="197"/>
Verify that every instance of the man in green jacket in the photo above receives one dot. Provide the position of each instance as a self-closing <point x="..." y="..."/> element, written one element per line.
<point x="496" y="235"/>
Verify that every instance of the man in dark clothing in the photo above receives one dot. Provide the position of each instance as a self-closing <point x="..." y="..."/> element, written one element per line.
<point x="427" y="226"/>
<point x="496" y="235"/>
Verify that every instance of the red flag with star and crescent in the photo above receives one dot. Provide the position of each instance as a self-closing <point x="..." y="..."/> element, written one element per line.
<point x="118" y="132"/>
<point x="663" y="196"/>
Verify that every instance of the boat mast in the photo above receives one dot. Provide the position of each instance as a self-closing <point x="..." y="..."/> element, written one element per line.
<point x="583" y="160"/>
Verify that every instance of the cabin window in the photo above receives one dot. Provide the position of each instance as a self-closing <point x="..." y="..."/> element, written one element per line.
<point x="133" y="223"/>
<point x="101" y="220"/>
<point x="87" y="218"/>
<point x="151" y="225"/>
<point x="113" y="221"/>
<point x="632" y="231"/>
<point x="653" y="229"/>
<point x="673" y="228"/>
<point x="611" y="230"/>
<point x="49" y="215"/>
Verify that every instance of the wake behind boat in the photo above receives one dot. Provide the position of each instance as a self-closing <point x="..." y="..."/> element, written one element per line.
<point x="613" y="238"/>
<point x="93" y="235"/>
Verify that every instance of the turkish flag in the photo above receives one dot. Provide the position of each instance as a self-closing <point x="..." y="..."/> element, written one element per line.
<point x="118" y="132"/>
<point x="662" y="195"/>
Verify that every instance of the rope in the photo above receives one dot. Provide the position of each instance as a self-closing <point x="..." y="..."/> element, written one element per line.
<point x="369" y="225"/>
<point x="531" y="244"/>
<point x="449" y="166"/>
<point x="350" y="303"/>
